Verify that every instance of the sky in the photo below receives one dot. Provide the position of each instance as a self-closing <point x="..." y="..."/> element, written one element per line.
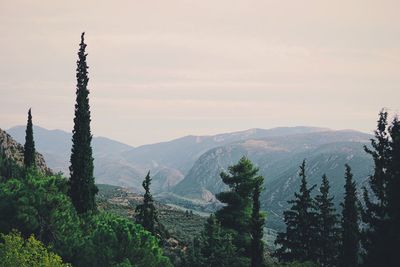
<point x="164" y="69"/>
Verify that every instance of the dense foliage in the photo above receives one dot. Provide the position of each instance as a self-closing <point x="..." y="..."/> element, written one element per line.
<point x="82" y="188"/>
<point x="382" y="201"/>
<point x="17" y="252"/>
<point x="299" y="242"/>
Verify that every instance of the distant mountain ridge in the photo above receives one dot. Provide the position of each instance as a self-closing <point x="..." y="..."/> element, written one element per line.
<point x="123" y="165"/>
<point x="186" y="170"/>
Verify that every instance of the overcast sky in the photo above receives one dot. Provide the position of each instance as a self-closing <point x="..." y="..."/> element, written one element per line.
<point x="164" y="69"/>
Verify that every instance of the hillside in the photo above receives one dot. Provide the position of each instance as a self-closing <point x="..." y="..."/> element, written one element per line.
<point x="278" y="159"/>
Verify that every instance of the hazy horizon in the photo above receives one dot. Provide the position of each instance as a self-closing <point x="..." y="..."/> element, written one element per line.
<point x="162" y="70"/>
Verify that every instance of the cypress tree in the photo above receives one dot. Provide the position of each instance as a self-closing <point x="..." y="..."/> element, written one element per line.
<point x="257" y="227"/>
<point x="82" y="188"/>
<point x="298" y="243"/>
<point x="29" y="147"/>
<point x="375" y="234"/>
<point x="147" y="214"/>
<point x="350" y="230"/>
<point x="327" y="227"/>
<point x="235" y="216"/>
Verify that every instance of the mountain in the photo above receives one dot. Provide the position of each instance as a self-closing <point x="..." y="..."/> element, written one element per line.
<point x="181" y="153"/>
<point x="278" y="159"/>
<point x="120" y="164"/>
<point x="56" y="148"/>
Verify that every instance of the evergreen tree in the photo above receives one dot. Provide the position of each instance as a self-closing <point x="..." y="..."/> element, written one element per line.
<point x="82" y="188"/>
<point x="257" y="227"/>
<point x="350" y="230"/>
<point x="327" y="226"/>
<point x="375" y="214"/>
<point x="298" y="243"/>
<point x="235" y="216"/>
<point x="217" y="249"/>
<point x="393" y="195"/>
<point x="29" y="147"/>
<point x="147" y="214"/>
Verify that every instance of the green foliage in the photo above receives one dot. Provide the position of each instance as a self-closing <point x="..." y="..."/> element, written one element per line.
<point x="381" y="215"/>
<point x="146" y="212"/>
<point x="327" y="226"/>
<point x="214" y="248"/>
<point x="17" y="252"/>
<point x="82" y="188"/>
<point x="235" y="216"/>
<point x="299" y="240"/>
<point x="350" y="219"/>
<point x="115" y="241"/>
<point x="38" y="205"/>
<point x="257" y="226"/>
<point x="29" y="147"/>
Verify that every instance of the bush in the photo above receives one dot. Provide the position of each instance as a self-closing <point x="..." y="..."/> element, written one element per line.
<point x="17" y="252"/>
<point x="117" y="241"/>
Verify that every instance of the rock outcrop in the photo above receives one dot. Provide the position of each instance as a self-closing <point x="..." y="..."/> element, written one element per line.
<point x="10" y="149"/>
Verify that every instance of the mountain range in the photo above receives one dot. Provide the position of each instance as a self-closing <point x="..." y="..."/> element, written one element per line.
<point x="186" y="170"/>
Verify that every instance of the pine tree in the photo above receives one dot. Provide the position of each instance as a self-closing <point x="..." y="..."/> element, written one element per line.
<point x="393" y="196"/>
<point x="82" y="188"/>
<point x="257" y="227"/>
<point x="298" y="243"/>
<point x="29" y="147"/>
<point x="327" y="228"/>
<point x="146" y="212"/>
<point x="376" y="231"/>
<point x="235" y="216"/>
<point x="217" y="249"/>
<point x="350" y="230"/>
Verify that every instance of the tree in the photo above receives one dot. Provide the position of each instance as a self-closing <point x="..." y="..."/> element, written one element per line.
<point x="327" y="227"/>
<point x="376" y="233"/>
<point x="350" y="217"/>
<point x="82" y="188"/>
<point x="17" y="252"/>
<point x="38" y="204"/>
<point x="298" y="243"/>
<point x="217" y="248"/>
<point x="147" y="214"/>
<point x="393" y="195"/>
<point x="235" y="216"/>
<point x="29" y="147"/>
<point x="257" y="227"/>
<point x="117" y="241"/>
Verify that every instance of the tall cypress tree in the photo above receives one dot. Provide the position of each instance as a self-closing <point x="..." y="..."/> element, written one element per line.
<point x="298" y="243"/>
<point x="82" y="188"/>
<point x="257" y="227"/>
<point x="29" y="147"/>
<point x="375" y="234"/>
<point x="147" y="214"/>
<point x="348" y="256"/>
<point x="327" y="228"/>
